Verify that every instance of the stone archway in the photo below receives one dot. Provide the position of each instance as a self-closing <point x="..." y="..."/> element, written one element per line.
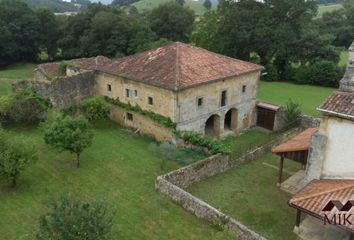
<point x="212" y="126"/>
<point x="230" y="122"/>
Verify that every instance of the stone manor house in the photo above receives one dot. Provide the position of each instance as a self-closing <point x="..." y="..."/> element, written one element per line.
<point x="198" y="90"/>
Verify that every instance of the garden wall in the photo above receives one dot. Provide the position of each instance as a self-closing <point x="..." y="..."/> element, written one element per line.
<point x="62" y="92"/>
<point x="309" y="121"/>
<point x="142" y="123"/>
<point x="173" y="184"/>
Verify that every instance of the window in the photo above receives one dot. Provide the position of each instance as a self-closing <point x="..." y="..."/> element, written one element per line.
<point x="150" y="101"/>
<point x="127" y="93"/>
<point x="130" y="116"/>
<point x="109" y="87"/>
<point x="200" y="102"/>
<point x="223" y="98"/>
<point x="244" y="88"/>
<point x="135" y="93"/>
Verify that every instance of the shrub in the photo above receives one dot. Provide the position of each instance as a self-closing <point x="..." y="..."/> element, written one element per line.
<point x="71" y="219"/>
<point x="23" y="106"/>
<point x="15" y="155"/>
<point x="271" y="74"/>
<point x="212" y="144"/>
<point x="292" y="112"/>
<point x="95" y="108"/>
<point x="63" y="66"/>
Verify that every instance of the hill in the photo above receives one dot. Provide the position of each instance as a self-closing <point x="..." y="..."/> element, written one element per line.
<point x="54" y="5"/>
<point x="147" y="5"/>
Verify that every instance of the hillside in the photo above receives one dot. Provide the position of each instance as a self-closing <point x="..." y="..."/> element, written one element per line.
<point x="147" y="5"/>
<point x="54" y="5"/>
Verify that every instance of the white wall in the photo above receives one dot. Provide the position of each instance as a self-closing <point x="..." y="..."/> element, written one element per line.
<point x="339" y="153"/>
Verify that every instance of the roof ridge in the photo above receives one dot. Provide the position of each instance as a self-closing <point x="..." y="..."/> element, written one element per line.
<point x="177" y="66"/>
<point x="347" y="185"/>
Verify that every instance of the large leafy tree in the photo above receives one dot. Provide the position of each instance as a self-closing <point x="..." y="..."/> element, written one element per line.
<point x="19" y="32"/>
<point x="16" y="154"/>
<point x="71" y="134"/>
<point x="71" y="219"/>
<point x="172" y="21"/>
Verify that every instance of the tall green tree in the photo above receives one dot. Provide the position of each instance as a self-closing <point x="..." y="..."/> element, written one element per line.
<point x="72" y="219"/>
<point x="181" y="2"/>
<point x="16" y="154"/>
<point x="19" y="32"/>
<point x="172" y="21"/>
<point x="71" y="134"/>
<point x="49" y="32"/>
<point x="207" y="4"/>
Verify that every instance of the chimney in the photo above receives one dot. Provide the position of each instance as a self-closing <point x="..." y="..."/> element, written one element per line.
<point x="347" y="82"/>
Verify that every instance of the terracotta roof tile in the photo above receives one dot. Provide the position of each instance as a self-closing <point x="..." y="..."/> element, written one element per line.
<point x="268" y="106"/>
<point x="178" y="66"/>
<point x="316" y="195"/>
<point x="300" y="142"/>
<point x="339" y="102"/>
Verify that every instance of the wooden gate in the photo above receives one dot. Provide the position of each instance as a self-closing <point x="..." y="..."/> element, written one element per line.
<point x="266" y="114"/>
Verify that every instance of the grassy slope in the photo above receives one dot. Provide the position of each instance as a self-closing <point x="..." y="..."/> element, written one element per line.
<point x="147" y="5"/>
<point x="250" y="191"/>
<point x="13" y="73"/>
<point x="119" y="168"/>
<point x="327" y="8"/>
<point x="310" y="97"/>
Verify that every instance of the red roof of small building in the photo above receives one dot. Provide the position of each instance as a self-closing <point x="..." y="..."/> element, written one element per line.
<point x="269" y="106"/>
<point x="316" y="195"/>
<point x="339" y="102"/>
<point x="300" y="142"/>
<point x="178" y="66"/>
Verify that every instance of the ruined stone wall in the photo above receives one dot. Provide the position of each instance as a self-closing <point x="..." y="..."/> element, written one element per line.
<point x="173" y="184"/>
<point x="62" y="92"/>
<point x="143" y="124"/>
<point x="307" y="121"/>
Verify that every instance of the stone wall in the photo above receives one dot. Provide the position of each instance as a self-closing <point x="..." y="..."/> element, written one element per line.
<point x="307" y="121"/>
<point x="143" y="124"/>
<point x="62" y="92"/>
<point x="173" y="184"/>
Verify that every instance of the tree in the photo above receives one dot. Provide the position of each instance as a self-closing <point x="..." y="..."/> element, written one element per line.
<point x="181" y="2"/>
<point x="15" y="156"/>
<point x="23" y="106"/>
<point x="71" y="219"/>
<point x="123" y="2"/>
<point x="69" y="134"/>
<point x="172" y="21"/>
<point x="207" y="4"/>
<point x="19" y="28"/>
<point x="48" y="32"/>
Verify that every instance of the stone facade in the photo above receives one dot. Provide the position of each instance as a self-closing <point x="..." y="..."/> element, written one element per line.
<point x="142" y="123"/>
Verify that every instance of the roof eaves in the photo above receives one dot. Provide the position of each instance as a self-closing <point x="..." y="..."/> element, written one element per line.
<point x="338" y="114"/>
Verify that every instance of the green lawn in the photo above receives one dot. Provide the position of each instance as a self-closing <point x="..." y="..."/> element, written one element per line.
<point x="310" y="97"/>
<point x="119" y="168"/>
<point x="327" y="8"/>
<point x="13" y="73"/>
<point x="249" y="194"/>
<point x="148" y="5"/>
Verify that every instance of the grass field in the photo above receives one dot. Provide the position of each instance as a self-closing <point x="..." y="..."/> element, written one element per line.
<point x="147" y="5"/>
<point x="327" y="8"/>
<point x="118" y="168"/>
<point x="249" y="193"/>
<point x="13" y="73"/>
<point x="310" y="97"/>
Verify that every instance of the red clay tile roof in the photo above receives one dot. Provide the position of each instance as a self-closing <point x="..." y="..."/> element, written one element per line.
<point x="316" y="195"/>
<point x="51" y="69"/>
<point x="268" y="106"/>
<point x="300" y="142"/>
<point x="178" y="66"/>
<point x="339" y="102"/>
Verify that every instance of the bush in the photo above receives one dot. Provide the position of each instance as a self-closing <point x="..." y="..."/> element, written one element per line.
<point x="212" y="144"/>
<point x="271" y="74"/>
<point x="95" y="109"/>
<point x="23" y="106"/>
<point x="63" y="66"/>
<point x="71" y="219"/>
<point x="292" y="112"/>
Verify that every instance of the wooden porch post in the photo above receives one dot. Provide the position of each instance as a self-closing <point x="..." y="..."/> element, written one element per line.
<point x="298" y="218"/>
<point x="281" y="170"/>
